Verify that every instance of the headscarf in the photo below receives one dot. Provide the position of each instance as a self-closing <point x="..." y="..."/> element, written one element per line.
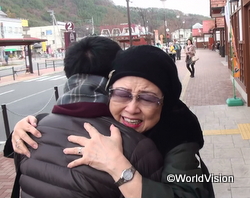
<point x="177" y="123"/>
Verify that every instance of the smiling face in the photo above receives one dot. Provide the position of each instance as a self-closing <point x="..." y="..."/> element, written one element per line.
<point x="137" y="111"/>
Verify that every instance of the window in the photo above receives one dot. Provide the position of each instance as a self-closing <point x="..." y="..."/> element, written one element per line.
<point x="48" y="32"/>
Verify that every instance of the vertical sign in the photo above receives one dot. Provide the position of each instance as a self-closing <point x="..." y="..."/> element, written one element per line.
<point x="69" y="37"/>
<point x="70" y="34"/>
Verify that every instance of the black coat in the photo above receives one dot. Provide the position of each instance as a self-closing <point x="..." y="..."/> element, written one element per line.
<point x="183" y="160"/>
<point x="45" y="174"/>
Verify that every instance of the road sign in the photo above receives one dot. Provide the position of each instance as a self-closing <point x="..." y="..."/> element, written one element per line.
<point x="69" y="37"/>
<point x="69" y="26"/>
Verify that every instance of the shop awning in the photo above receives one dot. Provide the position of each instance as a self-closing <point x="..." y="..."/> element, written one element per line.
<point x="12" y="49"/>
<point x="20" y="41"/>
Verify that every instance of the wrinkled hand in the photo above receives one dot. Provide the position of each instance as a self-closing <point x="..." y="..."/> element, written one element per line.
<point x="20" y="135"/>
<point x="100" y="152"/>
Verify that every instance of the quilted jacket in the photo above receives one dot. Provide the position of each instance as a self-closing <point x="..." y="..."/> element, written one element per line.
<point x="45" y="174"/>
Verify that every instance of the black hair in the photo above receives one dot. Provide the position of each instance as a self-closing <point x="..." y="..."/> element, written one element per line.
<point x="91" y="55"/>
<point x="190" y="41"/>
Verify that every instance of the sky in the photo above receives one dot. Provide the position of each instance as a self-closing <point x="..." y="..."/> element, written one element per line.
<point x="201" y="7"/>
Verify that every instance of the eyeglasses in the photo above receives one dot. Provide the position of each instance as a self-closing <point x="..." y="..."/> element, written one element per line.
<point x="125" y="96"/>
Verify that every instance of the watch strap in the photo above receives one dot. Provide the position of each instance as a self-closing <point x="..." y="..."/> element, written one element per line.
<point x="123" y="180"/>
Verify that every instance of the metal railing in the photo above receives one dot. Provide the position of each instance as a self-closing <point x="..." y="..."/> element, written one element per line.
<point x="5" y="111"/>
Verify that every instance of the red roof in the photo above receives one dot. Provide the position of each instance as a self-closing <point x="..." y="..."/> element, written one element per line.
<point x="208" y="25"/>
<point x="197" y="32"/>
<point x="20" y="41"/>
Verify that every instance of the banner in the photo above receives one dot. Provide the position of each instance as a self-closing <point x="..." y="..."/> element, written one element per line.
<point x="235" y="57"/>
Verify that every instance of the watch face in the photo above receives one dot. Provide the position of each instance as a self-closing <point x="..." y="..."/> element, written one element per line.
<point x="128" y="175"/>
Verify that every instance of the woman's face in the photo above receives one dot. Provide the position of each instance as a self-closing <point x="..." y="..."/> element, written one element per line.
<point x="189" y="42"/>
<point x="136" y="103"/>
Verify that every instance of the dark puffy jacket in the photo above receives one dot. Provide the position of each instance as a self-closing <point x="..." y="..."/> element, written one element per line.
<point x="45" y="174"/>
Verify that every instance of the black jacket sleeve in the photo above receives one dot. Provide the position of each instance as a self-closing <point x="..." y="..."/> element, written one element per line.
<point x="183" y="160"/>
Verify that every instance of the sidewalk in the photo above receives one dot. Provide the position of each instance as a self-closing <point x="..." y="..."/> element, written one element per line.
<point x="25" y="76"/>
<point x="226" y="129"/>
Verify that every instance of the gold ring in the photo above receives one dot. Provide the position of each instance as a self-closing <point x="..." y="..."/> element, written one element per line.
<point x="80" y="150"/>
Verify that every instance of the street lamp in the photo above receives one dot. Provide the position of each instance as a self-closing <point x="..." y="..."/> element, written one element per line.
<point x="184" y="26"/>
<point x="164" y="4"/>
<point x="129" y="24"/>
<point x="178" y="17"/>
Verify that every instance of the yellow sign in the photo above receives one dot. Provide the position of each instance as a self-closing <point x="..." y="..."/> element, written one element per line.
<point x="44" y="46"/>
<point x="25" y="23"/>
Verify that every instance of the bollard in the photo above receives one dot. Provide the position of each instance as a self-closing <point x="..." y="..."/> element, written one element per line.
<point x="6" y="121"/>
<point x="54" y="66"/>
<point x="56" y="92"/>
<point x="45" y="64"/>
<point x="13" y="73"/>
<point x="38" y="71"/>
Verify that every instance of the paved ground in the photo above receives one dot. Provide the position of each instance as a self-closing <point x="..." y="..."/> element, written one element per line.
<point x="226" y="129"/>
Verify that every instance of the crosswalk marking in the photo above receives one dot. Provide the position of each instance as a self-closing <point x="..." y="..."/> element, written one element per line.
<point x="46" y="78"/>
<point x="59" y="78"/>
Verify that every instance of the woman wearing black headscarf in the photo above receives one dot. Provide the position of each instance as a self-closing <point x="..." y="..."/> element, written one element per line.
<point x="139" y="73"/>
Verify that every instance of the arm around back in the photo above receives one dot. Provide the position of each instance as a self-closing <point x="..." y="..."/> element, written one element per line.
<point x="181" y="162"/>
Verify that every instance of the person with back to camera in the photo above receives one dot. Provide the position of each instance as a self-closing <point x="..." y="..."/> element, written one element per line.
<point x="190" y="52"/>
<point x="172" y="51"/>
<point x="45" y="173"/>
<point x="144" y="89"/>
<point x="178" y="48"/>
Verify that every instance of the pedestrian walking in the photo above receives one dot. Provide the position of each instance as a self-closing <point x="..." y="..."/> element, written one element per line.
<point x="6" y="58"/>
<point x="190" y="52"/>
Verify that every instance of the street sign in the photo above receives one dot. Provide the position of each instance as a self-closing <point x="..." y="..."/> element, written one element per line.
<point x="69" y="37"/>
<point x="69" y="26"/>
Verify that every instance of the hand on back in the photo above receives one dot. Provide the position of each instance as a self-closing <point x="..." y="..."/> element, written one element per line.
<point x="20" y="135"/>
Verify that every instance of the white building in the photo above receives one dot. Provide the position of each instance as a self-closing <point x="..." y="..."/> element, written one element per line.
<point x="181" y="35"/>
<point x="54" y="35"/>
<point x="10" y="28"/>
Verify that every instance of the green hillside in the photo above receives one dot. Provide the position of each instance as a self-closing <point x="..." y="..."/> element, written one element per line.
<point x="104" y="12"/>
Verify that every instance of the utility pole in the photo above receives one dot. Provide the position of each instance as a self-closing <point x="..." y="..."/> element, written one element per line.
<point x="93" y="27"/>
<point x="54" y="23"/>
<point x="129" y="24"/>
<point x="164" y="5"/>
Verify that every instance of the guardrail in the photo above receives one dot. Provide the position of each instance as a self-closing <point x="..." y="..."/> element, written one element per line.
<point x="5" y="110"/>
<point x="13" y="71"/>
<point x="7" y="72"/>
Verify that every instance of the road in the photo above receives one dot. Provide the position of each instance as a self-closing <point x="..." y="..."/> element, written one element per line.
<point x="29" y="98"/>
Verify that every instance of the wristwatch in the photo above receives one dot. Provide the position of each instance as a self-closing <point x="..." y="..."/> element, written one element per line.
<point x="126" y="176"/>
